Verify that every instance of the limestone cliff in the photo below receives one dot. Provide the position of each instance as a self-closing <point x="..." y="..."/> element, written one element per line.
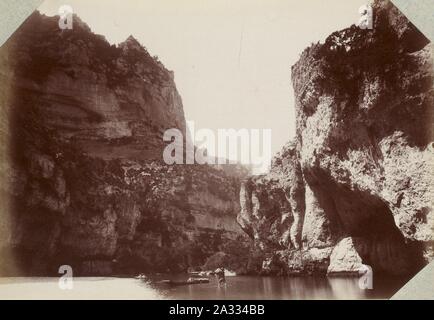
<point x="356" y="185"/>
<point x="82" y="177"/>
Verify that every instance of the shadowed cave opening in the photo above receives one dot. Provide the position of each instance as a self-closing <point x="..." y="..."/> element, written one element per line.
<point x="369" y="222"/>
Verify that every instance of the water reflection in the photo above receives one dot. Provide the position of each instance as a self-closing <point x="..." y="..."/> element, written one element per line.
<point x="245" y="287"/>
<point x="239" y="287"/>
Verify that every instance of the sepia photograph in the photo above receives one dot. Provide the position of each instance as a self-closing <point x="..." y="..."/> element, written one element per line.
<point x="216" y="150"/>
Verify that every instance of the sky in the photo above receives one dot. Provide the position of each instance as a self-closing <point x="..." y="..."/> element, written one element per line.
<point x="231" y="58"/>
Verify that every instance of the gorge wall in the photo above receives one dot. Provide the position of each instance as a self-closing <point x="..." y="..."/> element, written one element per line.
<point x="356" y="185"/>
<point x="82" y="177"/>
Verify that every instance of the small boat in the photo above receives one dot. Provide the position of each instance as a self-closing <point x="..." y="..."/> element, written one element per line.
<point x="228" y="273"/>
<point x="185" y="282"/>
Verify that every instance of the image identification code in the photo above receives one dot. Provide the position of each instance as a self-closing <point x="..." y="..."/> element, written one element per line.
<point x="223" y="309"/>
<point x="239" y="309"/>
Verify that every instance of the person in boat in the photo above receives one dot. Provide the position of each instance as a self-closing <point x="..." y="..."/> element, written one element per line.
<point x="220" y="276"/>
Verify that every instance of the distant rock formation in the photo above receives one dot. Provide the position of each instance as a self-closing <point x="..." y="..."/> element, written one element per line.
<point x="82" y="177"/>
<point x="356" y="185"/>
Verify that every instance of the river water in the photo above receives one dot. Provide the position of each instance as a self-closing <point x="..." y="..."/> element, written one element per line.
<point x="238" y="287"/>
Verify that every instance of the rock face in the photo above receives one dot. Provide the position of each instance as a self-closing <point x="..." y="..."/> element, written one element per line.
<point x="277" y="198"/>
<point x="356" y="185"/>
<point x="82" y="177"/>
<point x="112" y="102"/>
